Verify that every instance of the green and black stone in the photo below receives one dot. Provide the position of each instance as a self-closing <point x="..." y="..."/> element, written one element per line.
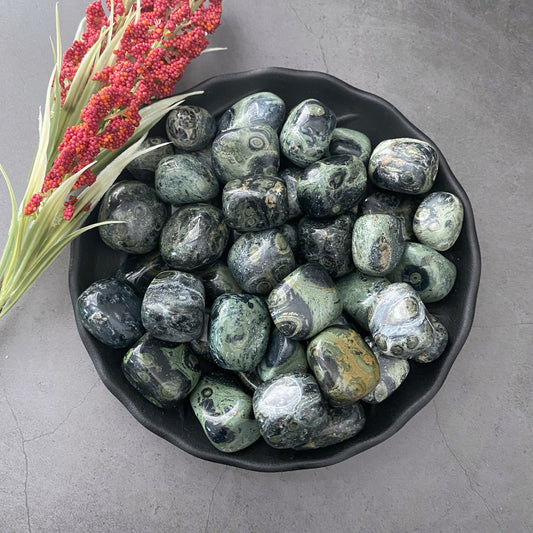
<point x="345" y="141"/>
<point x="190" y="127"/>
<point x="217" y="280"/>
<point x="140" y="270"/>
<point x="143" y="167"/>
<point x="163" y="372"/>
<point x="291" y="176"/>
<point x="440" y="341"/>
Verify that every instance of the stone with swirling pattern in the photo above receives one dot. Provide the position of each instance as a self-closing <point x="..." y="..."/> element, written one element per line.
<point x="440" y="340"/>
<point x="345" y="141"/>
<point x="190" y="128"/>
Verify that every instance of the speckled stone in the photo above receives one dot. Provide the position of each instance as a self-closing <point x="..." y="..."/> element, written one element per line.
<point x="430" y="273"/>
<point x="343" y="365"/>
<point x="164" y="373"/>
<point x="194" y="237"/>
<point x="291" y="176"/>
<point x="140" y="270"/>
<point x="173" y="307"/>
<point x="440" y="340"/>
<point x="399" y="323"/>
<point x="260" y="260"/>
<point x="110" y="310"/>
<point x="392" y="373"/>
<point x="259" y="109"/>
<point x="357" y="291"/>
<point x="290" y="410"/>
<point x="238" y="331"/>
<point x="136" y="204"/>
<point x="328" y="241"/>
<point x="332" y="186"/>
<point x="225" y="413"/>
<point x="343" y="423"/>
<point x="185" y="179"/>
<point x="190" y="127"/>
<point x="217" y="280"/>
<point x="345" y="141"/>
<point x="283" y="356"/>
<point x="305" y="302"/>
<point x="402" y="206"/>
<point x="290" y="233"/>
<point x="438" y="220"/>
<point x="143" y="167"/>
<point x="245" y="152"/>
<point x="306" y="134"/>
<point x="404" y="165"/>
<point x="255" y="204"/>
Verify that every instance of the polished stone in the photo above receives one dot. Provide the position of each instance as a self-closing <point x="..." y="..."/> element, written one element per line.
<point x="440" y="341"/>
<point x="291" y="176"/>
<point x="217" y="280"/>
<point x="345" y="141"/>
<point x="143" y="167"/>
<point x="140" y="270"/>
<point x="190" y="128"/>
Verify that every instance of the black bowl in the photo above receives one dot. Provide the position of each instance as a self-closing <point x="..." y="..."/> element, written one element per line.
<point x="92" y="260"/>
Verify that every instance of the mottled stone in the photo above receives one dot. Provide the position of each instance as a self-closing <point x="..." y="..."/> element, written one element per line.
<point x="245" y="152"/>
<point x="200" y="346"/>
<point x="290" y="410"/>
<point x="440" y="340"/>
<point x="438" y="220"/>
<point x="392" y="373"/>
<point x="260" y="260"/>
<point x="291" y="176"/>
<point x="194" y="237"/>
<point x="140" y="270"/>
<point x="377" y="244"/>
<point x="430" y="273"/>
<point x="343" y="365"/>
<point x="164" y="373"/>
<point x="290" y="233"/>
<point x="110" y="310"/>
<point x="238" y="331"/>
<point x="185" y="179"/>
<point x="190" y="128"/>
<point x="404" y="165"/>
<point x="305" y="302"/>
<point x="173" y="307"/>
<point x="258" y="109"/>
<point x="357" y="292"/>
<point x="402" y="206"/>
<point x="328" y="241"/>
<point x="143" y="167"/>
<point x="332" y="186"/>
<point x="141" y="215"/>
<point x="217" y="280"/>
<point x="283" y="356"/>
<point x="343" y="423"/>
<point x="225" y="413"/>
<point x="306" y="134"/>
<point x="345" y="141"/>
<point x="399" y="323"/>
<point x="255" y="204"/>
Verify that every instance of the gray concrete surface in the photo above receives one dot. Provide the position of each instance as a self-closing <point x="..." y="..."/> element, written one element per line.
<point x="73" y="460"/>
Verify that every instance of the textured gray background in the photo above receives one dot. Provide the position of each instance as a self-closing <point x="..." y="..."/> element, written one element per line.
<point x="72" y="459"/>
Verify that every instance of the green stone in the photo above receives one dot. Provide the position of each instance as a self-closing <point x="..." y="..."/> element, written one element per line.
<point x="190" y="127"/>
<point x="346" y="141"/>
<point x="217" y="280"/>
<point x="291" y="176"/>
<point x="440" y="340"/>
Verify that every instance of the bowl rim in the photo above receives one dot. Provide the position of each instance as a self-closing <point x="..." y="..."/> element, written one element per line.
<point x="344" y="453"/>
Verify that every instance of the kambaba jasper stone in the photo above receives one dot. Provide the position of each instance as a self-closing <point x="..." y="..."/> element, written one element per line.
<point x="291" y="176"/>
<point x="190" y="127"/>
<point x="345" y="141"/>
<point x="217" y="280"/>
<point x="440" y="340"/>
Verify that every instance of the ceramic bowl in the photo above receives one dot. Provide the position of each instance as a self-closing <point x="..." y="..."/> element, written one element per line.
<point x="92" y="260"/>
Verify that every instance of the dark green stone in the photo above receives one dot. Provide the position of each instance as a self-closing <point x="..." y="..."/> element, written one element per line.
<point x="345" y="141"/>
<point x="164" y="373"/>
<point x="217" y="280"/>
<point x="440" y="340"/>
<point x="190" y="128"/>
<point x="290" y="233"/>
<point x="141" y="215"/>
<point x="291" y="176"/>
<point x="143" y="167"/>
<point x="140" y="270"/>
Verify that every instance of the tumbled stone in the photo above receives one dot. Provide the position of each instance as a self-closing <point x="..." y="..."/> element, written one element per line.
<point x="238" y="331"/>
<point x="291" y="176"/>
<point x="332" y="186"/>
<point x="143" y="167"/>
<point x="200" y="346"/>
<point x="164" y="373"/>
<point x="217" y="280"/>
<point x="242" y="153"/>
<point x="404" y="165"/>
<point x="345" y="141"/>
<point x="399" y="323"/>
<point x="194" y="237"/>
<point x="290" y="233"/>
<point x="377" y="244"/>
<point x="357" y="291"/>
<point x="185" y="179"/>
<point x="255" y="204"/>
<point x="190" y="127"/>
<point x="290" y="410"/>
<point x="440" y="340"/>
<point x="328" y="241"/>
<point x="258" y="109"/>
<point x="305" y="302"/>
<point x="392" y="373"/>
<point x="306" y="134"/>
<point x="283" y="356"/>
<point x="141" y="213"/>
<point x="110" y="310"/>
<point x="260" y="260"/>
<point x="430" y="273"/>
<point x="225" y="413"/>
<point x="438" y="220"/>
<point x="140" y="270"/>
<point x="343" y="365"/>
<point x="343" y="423"/>
<point x="173" y="307"/>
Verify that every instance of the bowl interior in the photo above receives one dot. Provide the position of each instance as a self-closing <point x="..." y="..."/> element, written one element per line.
<point x="92" y="260"/>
